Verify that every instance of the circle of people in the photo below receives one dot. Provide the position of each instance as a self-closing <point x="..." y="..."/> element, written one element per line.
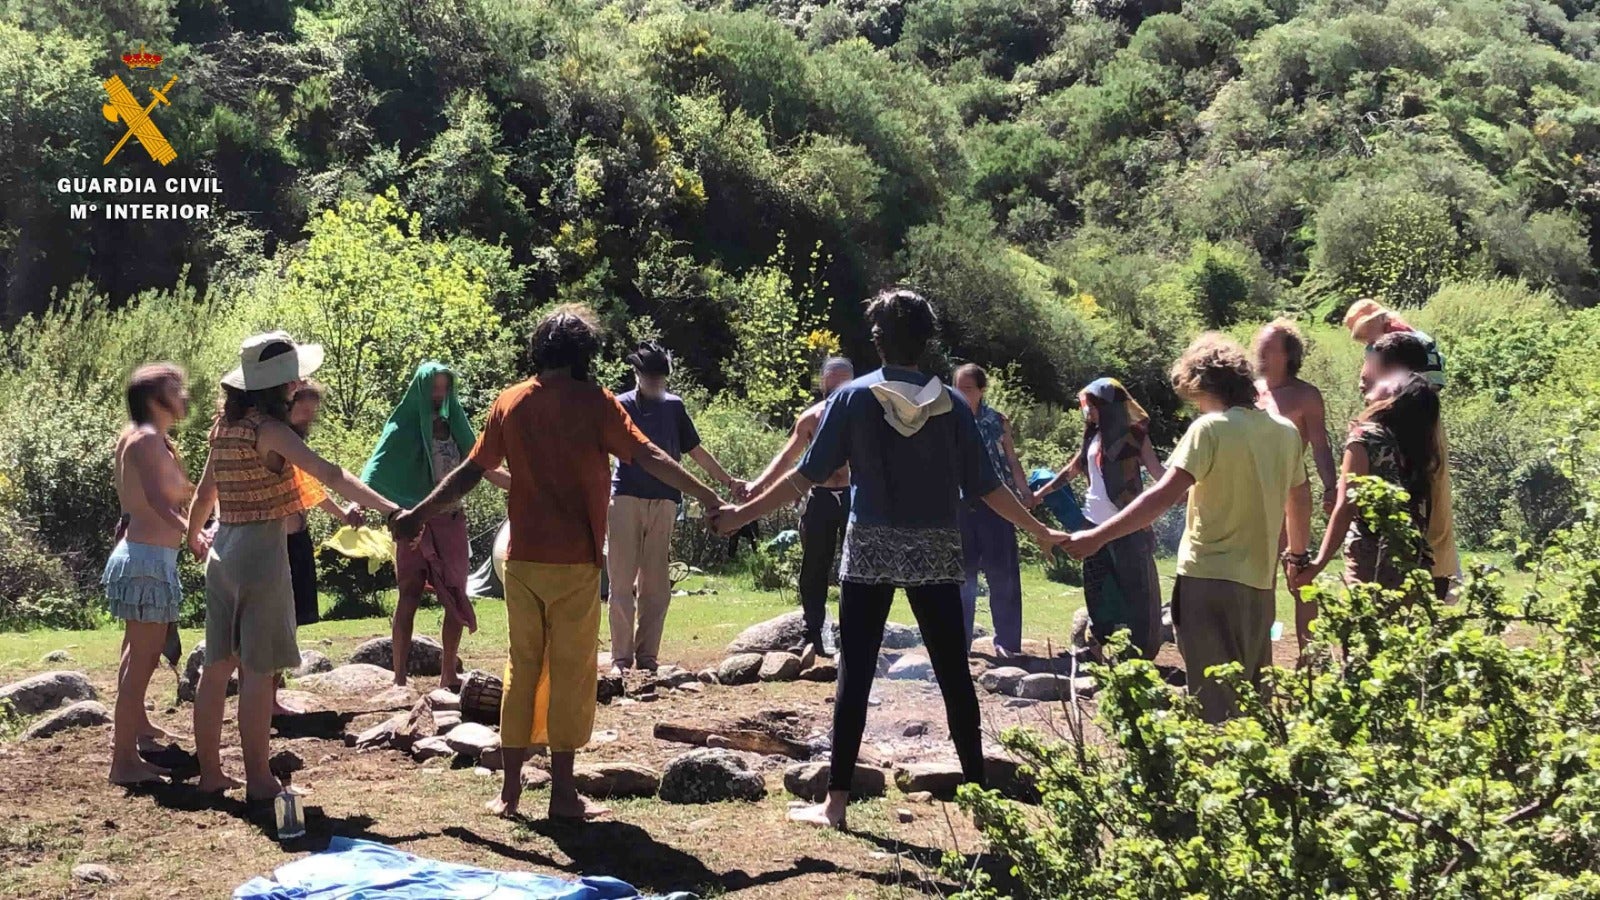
<point x="914" y="484"/>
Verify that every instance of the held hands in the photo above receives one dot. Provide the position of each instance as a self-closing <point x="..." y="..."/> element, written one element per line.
<point x="354" y="517"/>
<point x="727" y="519"/>
<point x="1083" y="544"/>
<point x="1330" y="498"/>
<point x="1050" y="540"/>
<point x="200" y="543"/>
<point x="405" y="526"/>
<point x="740" y="489"/>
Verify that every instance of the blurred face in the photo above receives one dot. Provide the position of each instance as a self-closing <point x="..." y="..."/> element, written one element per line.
<point x="440" y="390"/>
<point x="1091" y="413"/>
<point x="303" y="414"/>
<point x="1372" y="372"/>
<point x="835" y="379"/>
<point x="1372" y="330"/>
<point x="968" y="386"/>
<point x="1387" y="387"/>
<point x="175" y="399"/>
<point x="1271" y="359"/>
<point x="652" y="387"/>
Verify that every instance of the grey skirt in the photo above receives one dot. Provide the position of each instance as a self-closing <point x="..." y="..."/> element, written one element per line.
<point x="250" y="598"/>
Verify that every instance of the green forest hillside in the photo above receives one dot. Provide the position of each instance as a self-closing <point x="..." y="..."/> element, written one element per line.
<point x="1079" y="187"/>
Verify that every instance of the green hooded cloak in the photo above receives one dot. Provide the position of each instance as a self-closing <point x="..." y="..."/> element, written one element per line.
<point x="401" y="466"/>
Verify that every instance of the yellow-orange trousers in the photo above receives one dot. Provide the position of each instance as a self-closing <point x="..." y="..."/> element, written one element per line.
<point x="553" y="615"/>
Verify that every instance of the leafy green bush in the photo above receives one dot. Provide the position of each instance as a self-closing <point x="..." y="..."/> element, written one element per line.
<point x="1387" y="240"/>
<point x="36" y="589"/>
<point x="1418" y="752"/>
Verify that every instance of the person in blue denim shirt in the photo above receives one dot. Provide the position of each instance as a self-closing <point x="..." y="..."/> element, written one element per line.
<point x="914" y="451"/>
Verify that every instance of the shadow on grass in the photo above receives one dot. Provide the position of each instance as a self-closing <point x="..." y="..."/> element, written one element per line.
<point x="628" y="852"/>
<point x="320" y="827"/>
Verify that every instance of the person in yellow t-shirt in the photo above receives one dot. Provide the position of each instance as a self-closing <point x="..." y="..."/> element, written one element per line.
<point x="1241" y="468"/>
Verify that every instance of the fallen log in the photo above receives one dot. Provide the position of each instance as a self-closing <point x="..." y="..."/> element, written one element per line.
<point x="746" y="739"/>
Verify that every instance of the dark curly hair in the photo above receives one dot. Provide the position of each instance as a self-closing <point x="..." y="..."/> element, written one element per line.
<point x="1401" y="350"/>
<point x="567" y="337"/>
<point x="1215" y="365"/>
<point x="903" y="324"/>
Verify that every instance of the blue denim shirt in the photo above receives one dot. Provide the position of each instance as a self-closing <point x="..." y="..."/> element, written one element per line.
<point x="914" y="481"/>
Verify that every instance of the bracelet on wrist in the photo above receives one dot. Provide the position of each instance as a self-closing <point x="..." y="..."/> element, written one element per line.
<point x="1298" y="560"/>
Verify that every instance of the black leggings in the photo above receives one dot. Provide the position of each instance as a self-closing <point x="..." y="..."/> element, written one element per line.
<point x="863" y="610"/>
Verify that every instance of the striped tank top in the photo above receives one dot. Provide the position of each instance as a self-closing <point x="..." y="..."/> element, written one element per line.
<point x="247" y="491"/>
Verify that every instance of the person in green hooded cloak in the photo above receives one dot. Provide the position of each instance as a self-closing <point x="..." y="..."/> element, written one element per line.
<point x="425" y="438"/>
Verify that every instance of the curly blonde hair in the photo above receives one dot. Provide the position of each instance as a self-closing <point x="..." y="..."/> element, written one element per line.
<point x="1215" y="365"/>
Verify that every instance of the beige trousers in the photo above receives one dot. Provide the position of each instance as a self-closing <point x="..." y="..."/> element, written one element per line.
<point x="638" y="548"/>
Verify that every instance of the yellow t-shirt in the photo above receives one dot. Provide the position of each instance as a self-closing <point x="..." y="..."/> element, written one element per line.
<point x="1244" y="463"/>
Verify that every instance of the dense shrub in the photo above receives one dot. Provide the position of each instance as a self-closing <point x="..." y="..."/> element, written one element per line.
<point x="1416" y="752"/>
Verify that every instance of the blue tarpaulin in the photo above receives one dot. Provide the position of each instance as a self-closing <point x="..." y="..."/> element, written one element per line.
<point x="364" y="870"/>
<point x="1063" y="504"/>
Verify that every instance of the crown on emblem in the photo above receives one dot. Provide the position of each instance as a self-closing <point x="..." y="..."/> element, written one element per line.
<point x="142" y="59"/>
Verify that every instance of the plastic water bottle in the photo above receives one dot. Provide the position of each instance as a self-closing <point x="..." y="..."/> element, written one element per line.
<point x="1277" y="631"/>
<point x="291" y="819"/>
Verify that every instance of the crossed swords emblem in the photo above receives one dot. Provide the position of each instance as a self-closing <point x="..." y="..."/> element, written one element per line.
<point x="125" y="108"/>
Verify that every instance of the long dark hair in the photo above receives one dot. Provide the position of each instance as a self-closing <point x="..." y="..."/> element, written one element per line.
<point x="272" y="402"/>
<point x="1411" y="414"/>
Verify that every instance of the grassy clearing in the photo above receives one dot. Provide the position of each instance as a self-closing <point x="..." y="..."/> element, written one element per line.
<point x="698" y="627"/>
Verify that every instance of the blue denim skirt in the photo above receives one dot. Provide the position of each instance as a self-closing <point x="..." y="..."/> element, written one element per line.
<point x="141" y="582"/>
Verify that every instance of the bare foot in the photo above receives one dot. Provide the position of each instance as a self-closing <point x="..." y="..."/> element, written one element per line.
<point x="135" y="771"/>
<point x="816" y="816"/>
<point x="499" y="807"/>
<point x="219" y="785"/>
<point x="265" y="790"/>
<point x="576" y="807"/>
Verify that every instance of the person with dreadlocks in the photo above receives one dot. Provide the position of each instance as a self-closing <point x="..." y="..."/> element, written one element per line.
<point x="1120" y="586"/>
<point x="555" y="433"/>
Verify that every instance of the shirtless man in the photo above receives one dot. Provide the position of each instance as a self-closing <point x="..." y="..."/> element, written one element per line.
<point x="141" y="576"/>
<point x="825" y="512"/>
<point x="1279" y="351"/>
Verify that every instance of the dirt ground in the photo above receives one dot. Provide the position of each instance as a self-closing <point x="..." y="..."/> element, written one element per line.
<point x="172" y="841"/>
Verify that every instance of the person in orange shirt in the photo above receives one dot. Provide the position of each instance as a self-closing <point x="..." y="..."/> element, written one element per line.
<point x="554" y="432"/>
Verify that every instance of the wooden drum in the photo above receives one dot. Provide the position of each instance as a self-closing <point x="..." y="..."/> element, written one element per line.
<point x="480" y="697"/>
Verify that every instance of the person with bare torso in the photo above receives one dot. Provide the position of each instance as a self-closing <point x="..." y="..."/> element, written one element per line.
<point x="1279" y="351"/>
<point x="141" y="576"/>
<point x="826" y="508"/>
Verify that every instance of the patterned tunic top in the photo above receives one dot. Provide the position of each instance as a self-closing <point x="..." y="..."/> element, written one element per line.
<point x="1361" y="547"/>
<point x="992" y="429"/>
<point x="247" y="491"/>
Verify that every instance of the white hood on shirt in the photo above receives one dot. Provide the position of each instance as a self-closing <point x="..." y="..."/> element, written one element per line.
<point x="907" y="407"/>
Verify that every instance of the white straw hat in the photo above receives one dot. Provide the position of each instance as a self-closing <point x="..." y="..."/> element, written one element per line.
<point x="255" y="373"/>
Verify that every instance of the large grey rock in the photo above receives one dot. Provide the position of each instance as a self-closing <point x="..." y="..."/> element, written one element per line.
<point x="312" y="662"/>
<point x="189" y="681"/>
<point x="672" y="677"/>
<point x="706" y="775"/>
<point x="426" y="656"/>
<point x="1054" y="687"/>
<point x="779" y="666"/>
<point x="46" y="691"/>
<point x="431" y="748"/>
<point x="94" y="873"/>
<point x="740" y="668"/>
<point x="446" y="719"/>
<point x="83" y="714"/>
<point x="57" y="656"/>
<point x="471" y="739"/>
<point x="393" y="697"/>
<point x="809" y="781"/>
<point x="900" y="637"/>
<point x="617" y="779"/>
<point x="356" y="679"/>
<point x="444" y="699"/>
<point x="911" y="667"/>
<point x="786" y="632"/>
<point x="382" y="734"/>
<point x="938" y="779"/>
<point x="1003" y="680"/>
<point x="1080" y="628"/>
<point x="1008" y="776"/>
<point x="821" y="670"/>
